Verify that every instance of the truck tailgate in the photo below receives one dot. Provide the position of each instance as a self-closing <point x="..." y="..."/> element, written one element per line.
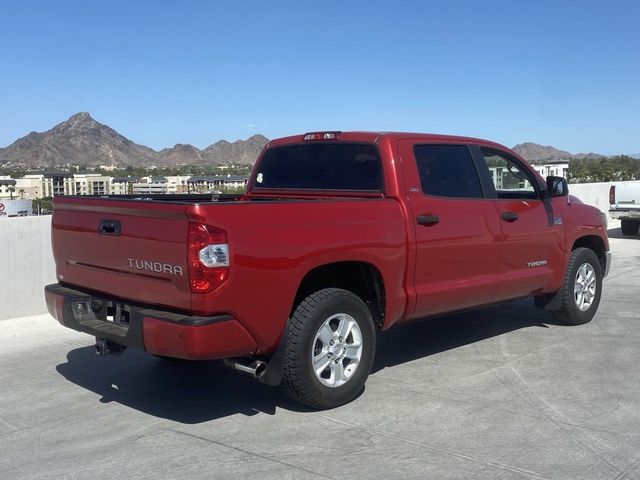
<point x="129" y="249"/>
<point x="628" y="194"/>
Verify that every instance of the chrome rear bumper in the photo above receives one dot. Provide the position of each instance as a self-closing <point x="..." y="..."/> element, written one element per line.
<point x="623" y="214"/>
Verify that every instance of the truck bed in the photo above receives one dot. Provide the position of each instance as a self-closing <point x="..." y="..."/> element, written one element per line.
<point x="273" y="243"/>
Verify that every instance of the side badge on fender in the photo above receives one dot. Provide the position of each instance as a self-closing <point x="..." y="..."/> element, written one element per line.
<point x="537" y="263"/>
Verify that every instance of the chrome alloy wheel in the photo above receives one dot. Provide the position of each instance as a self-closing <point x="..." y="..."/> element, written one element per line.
<point x="584" y="287"/>
<point x="337" y="349"/>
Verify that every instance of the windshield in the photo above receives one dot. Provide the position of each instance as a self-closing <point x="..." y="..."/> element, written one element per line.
<point x="321" y="166"/>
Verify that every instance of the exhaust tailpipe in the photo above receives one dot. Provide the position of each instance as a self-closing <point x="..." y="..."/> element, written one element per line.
<point x="255" y="368"/>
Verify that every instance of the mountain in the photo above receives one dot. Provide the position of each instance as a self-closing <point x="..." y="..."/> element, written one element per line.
<point x="538" y="153"/>
<point x="78" y="140"/>
<point x="81" y="140"/>
<point x="534" y="152"/>
<point x="180" y="153"/>
<point x="238" y="152"/>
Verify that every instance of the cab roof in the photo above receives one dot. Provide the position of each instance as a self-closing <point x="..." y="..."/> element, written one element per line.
<point x="377" y="137"/>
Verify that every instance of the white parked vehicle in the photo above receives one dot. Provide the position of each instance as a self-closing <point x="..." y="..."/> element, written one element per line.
<point x="15" y="208"/>
<point x="624" y="200"/>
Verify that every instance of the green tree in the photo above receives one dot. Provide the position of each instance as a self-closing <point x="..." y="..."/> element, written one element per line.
<point x="608" y="169"/>
<point x="43" y="205"/>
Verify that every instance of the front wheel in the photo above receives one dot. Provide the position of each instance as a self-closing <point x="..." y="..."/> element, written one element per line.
<point x="581" y="288"/>
<point x="330" y="349"/>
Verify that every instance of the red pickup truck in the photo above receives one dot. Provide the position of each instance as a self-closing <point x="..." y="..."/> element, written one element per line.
<point x="339" y="235"/>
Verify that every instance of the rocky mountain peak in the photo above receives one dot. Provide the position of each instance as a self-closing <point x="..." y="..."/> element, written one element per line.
<point x="81" y="140"/>
<point x="534" y="152"/>
<point x="80" y="116"/>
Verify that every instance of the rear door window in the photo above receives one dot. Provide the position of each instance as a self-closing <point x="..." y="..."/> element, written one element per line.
<point x="321" y="166"/>
<point x="447" y="171"/>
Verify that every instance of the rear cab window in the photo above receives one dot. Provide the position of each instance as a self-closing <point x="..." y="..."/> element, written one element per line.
<point x="321" y="166"/>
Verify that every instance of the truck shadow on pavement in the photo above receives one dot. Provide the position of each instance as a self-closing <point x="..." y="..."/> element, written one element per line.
<point x="195" y="392"/>
<point x="421" y="339"/>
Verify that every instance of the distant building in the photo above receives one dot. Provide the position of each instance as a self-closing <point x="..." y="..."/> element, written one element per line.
<point x="51" y="183"/>
<point x="559" y="168"/>
<point x="54" y="183"/>
<point x="29" y="187"/>
<point x="154" y="185"/>
<point x="91" y="184"/>
<point x="178" y="183"/>
<point x="503" y="179"/>
<point x="123" y="185"/>
<point x="211" y="183"/>
<point x="7" y="188"/>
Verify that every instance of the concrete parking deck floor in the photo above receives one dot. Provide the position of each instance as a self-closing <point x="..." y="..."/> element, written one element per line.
<point x="499" y="393"/>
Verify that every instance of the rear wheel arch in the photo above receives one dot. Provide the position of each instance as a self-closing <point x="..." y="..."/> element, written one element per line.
<point x="363" y="279"/>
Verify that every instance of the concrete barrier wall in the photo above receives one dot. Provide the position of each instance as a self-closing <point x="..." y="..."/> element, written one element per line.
<point x="596" y="194"/>
<point x="27" y="261"/>
<point x="27" y="265"/>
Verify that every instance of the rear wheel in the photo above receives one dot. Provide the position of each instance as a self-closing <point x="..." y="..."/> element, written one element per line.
<point x="630" y="227"/>
<point x="581" y="288"/>
<point x="330" y="349"/>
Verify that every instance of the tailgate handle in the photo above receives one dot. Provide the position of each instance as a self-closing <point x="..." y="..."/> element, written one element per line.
<point x="109" y="227"/>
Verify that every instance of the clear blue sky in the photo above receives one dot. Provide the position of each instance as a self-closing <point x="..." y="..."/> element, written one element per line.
<point x="564" y="73"/>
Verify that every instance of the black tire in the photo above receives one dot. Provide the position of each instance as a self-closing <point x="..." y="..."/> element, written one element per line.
<point x="299" y="381"/>
<point x="630" y="227"/>
<point x="569" y="313"/>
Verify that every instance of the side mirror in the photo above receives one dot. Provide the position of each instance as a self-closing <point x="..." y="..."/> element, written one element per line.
<point x="557" y="187"/>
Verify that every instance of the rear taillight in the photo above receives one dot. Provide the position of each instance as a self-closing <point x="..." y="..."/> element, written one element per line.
<point x="612" y="194"/>
<point x="208" y="253"/>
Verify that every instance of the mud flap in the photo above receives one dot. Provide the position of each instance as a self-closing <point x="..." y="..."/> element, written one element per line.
<point x="273" y="375"/>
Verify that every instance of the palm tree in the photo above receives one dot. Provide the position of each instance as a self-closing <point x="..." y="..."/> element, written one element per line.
<point x="11" y="190"/>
